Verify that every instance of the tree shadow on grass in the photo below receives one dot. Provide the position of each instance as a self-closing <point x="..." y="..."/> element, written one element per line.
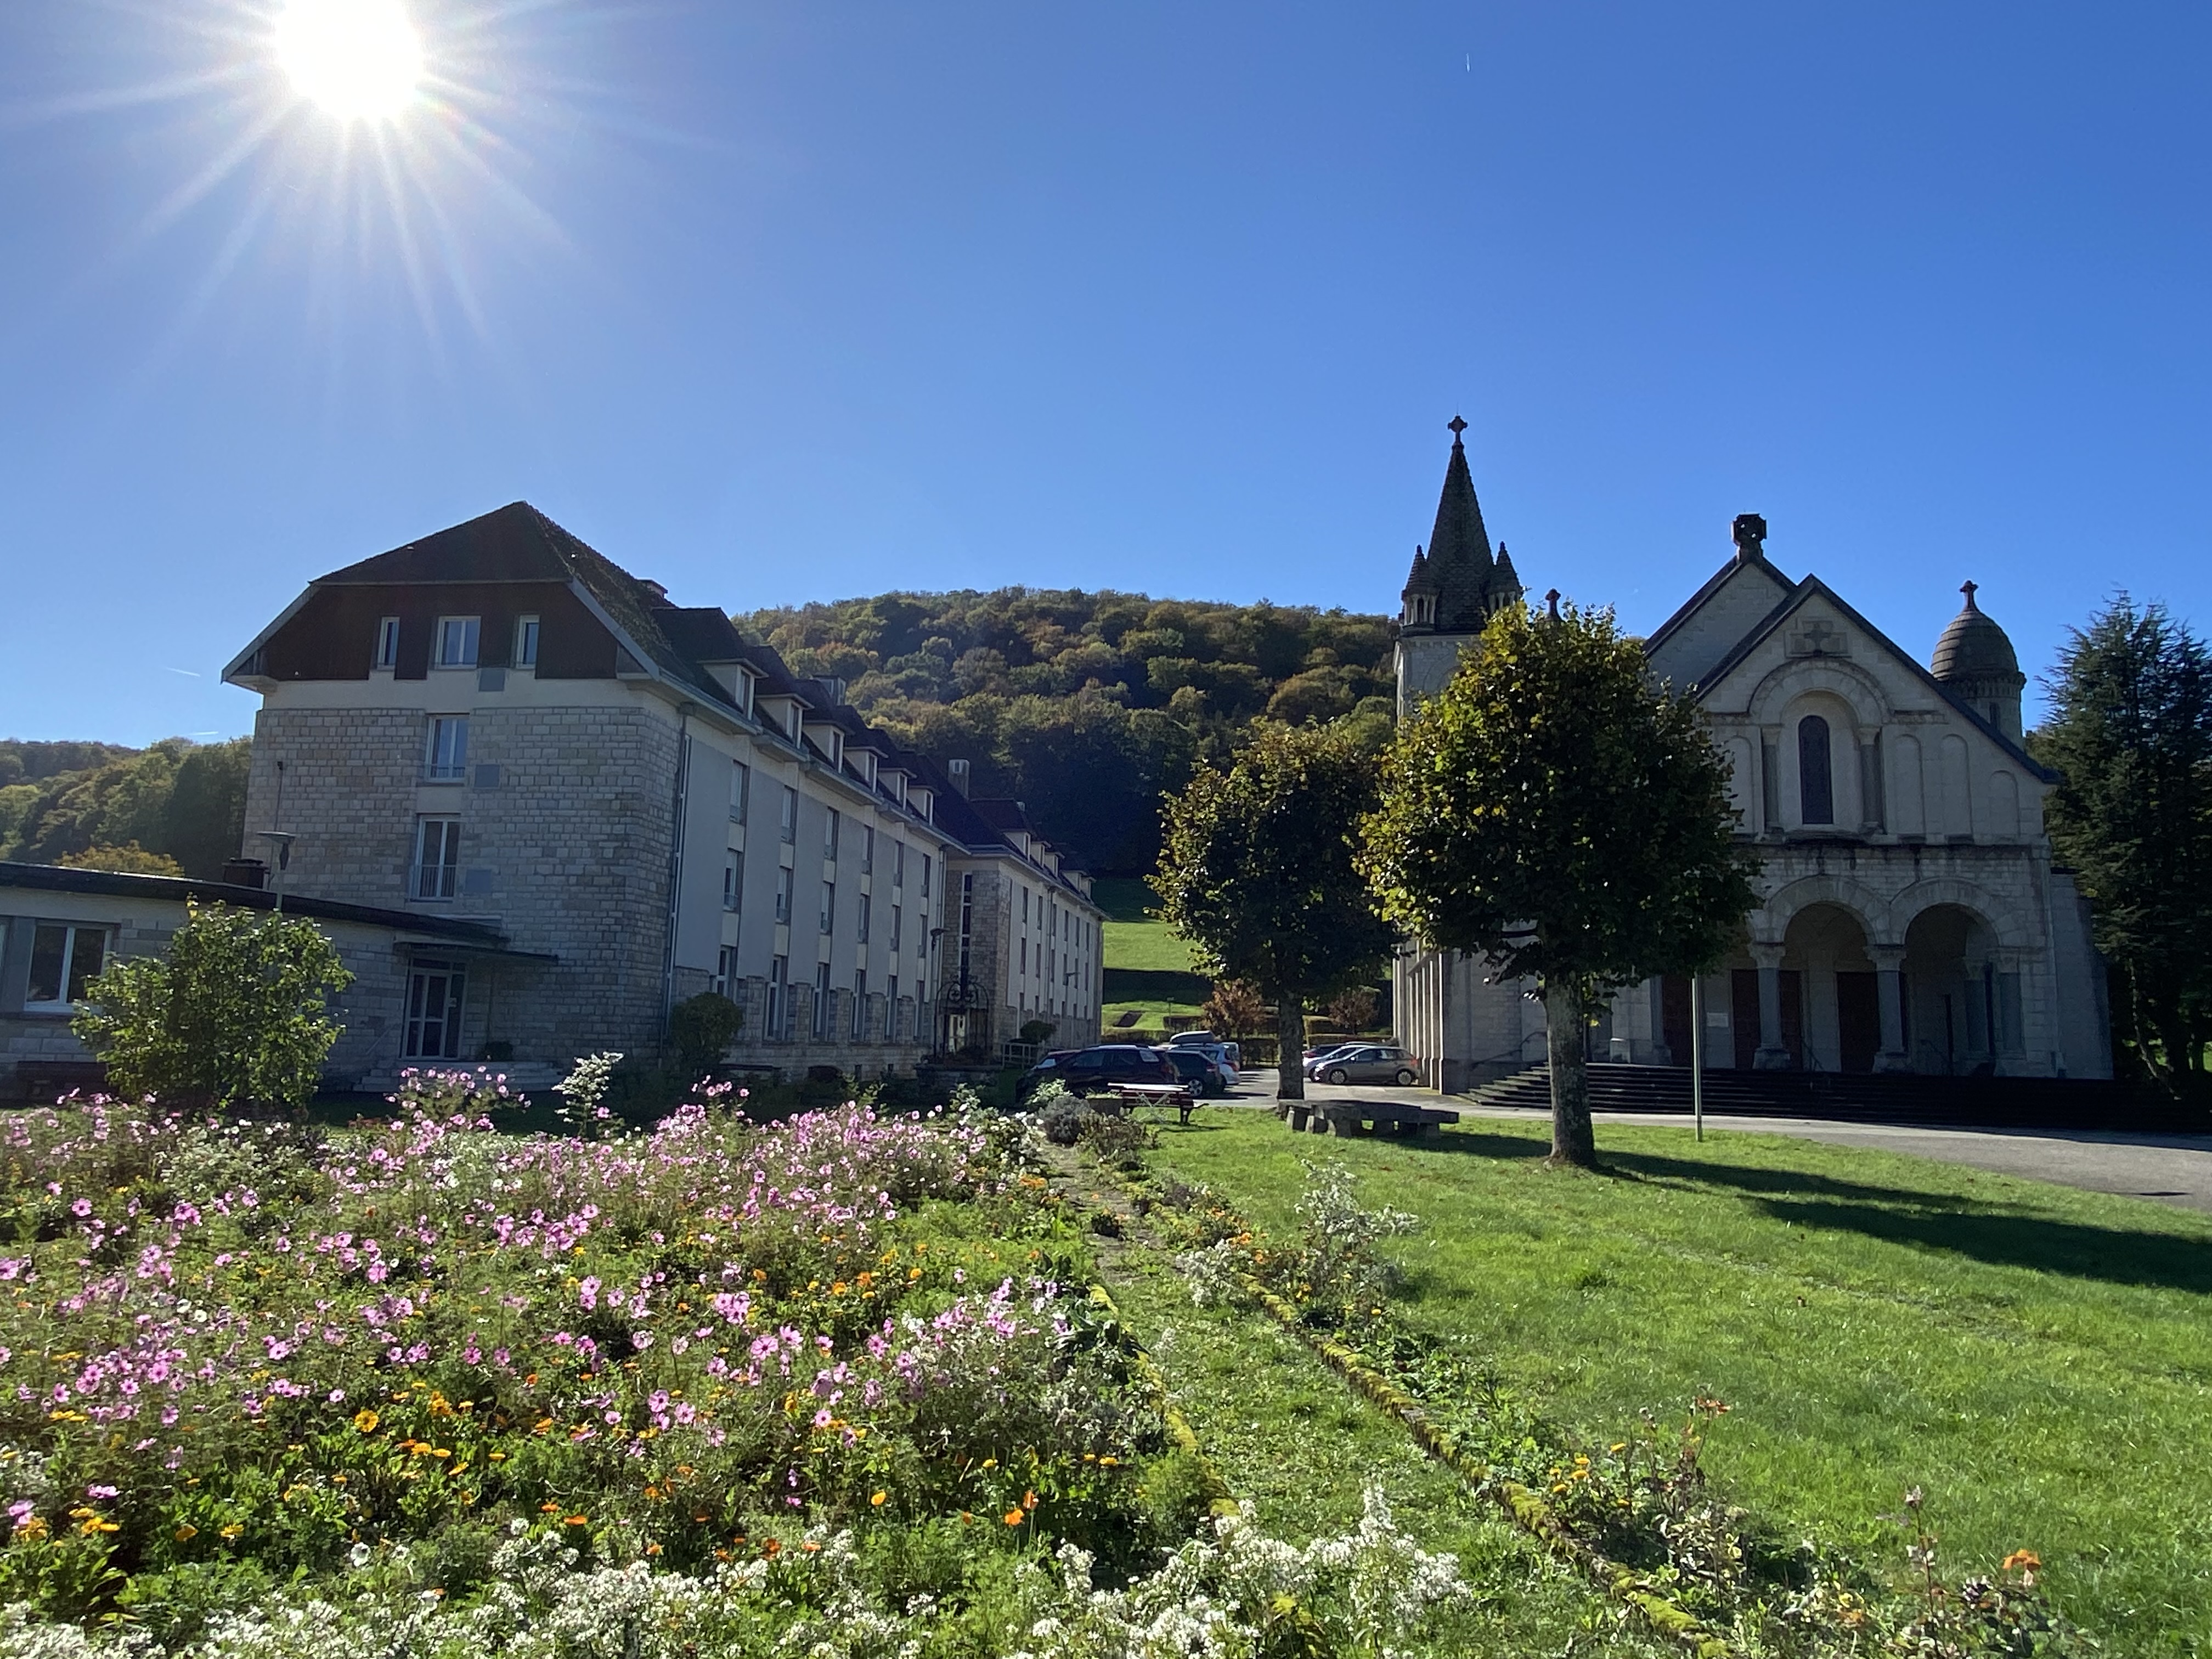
<point x="2000" y="1234"/>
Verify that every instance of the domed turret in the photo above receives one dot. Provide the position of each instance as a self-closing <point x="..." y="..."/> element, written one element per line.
<point x="1975" y="660"/>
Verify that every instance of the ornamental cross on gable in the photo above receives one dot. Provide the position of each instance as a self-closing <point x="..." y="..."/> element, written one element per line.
<point x="1820" y="639"/>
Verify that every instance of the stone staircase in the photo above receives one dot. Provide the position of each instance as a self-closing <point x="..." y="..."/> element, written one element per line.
<point x="2012" y="1102"/>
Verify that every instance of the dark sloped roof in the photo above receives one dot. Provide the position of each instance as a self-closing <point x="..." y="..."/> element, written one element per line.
<point x="175" y="890"/>
<point x="1457" y="567"/>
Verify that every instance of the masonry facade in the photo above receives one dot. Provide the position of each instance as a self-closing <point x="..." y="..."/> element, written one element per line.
<point x="1910" y="917"/>
<point x="497" y="725"/>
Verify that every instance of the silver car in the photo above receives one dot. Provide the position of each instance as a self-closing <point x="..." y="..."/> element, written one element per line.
<point x="1371" y="1063"/>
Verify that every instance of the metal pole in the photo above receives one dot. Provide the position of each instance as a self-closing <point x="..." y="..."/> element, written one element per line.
<point x="1698" y="1053"/>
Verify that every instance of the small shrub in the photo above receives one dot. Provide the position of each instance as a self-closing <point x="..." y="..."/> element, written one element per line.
<point x="702" y="1029"/>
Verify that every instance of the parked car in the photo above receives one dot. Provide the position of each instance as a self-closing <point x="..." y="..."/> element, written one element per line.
<point x="1229" y="1052"/>
<point x="1322" y="1056"/>
<point x="1197" y="1068"/>
<point x="1368" y="1063"/>
<point x="1087" y="1070"/>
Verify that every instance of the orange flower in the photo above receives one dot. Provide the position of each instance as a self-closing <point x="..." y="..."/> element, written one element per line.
<point x="1015" y="1518"/>
<point x="2022" y="1561"/>
<point x="876" y="1498"/>
<point x="576" y="1520"/>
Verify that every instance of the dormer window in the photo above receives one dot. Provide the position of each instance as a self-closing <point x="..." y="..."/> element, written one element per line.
<point x="387" y="642"/>
<point x="457" y="642"/>
<point x="525" y="642"/>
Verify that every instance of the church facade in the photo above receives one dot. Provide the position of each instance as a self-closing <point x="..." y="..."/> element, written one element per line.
<point x="1911" y="918"/>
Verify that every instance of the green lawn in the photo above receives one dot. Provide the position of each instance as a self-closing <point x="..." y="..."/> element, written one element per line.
<point x="2039" y="1359"/>
<point x="1148" y="967"/>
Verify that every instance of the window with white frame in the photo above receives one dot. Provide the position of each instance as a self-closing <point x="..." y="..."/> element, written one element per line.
<point x="859" y="1004"/>
<point x="733" y="882"/>
<point x="925" y="878"/>
<point x="434" y="997"/>
<point x="783" y="895"/>
<point x="828" y="907"/>
<point x="790" y="824"/>
<point x="898" y="864"/>
<point x="445" y="749"/>
<point x="896" y="917"/>
<point x="821" y="1000"/>
<point x="387" y="642"/>
<point x="63" y="958"/>
<point x="457" y="642"/>
<point x="725" y="973"/>
<point x="830" y="835"/>
<point x="525" y="642"/>
<point x="868" y="847"/>
<point x="779" y="1005"/>
<point x="437" y="858"/>
<point x="741" y="782"/>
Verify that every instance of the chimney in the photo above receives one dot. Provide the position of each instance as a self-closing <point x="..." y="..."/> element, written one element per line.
<point x="1749" y="534"/>
<point x="659" y="594"/>
<point x="244" y="872"/>
<point x="958" y="771"/>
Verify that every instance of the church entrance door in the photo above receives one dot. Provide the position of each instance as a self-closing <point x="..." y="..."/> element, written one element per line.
<point x="1858" y="1021"/>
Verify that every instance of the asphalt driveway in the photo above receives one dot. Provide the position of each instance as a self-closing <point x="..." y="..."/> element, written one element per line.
<point x="2170" y="1169"/>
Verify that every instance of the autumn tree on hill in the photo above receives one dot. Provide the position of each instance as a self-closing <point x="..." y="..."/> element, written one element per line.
<point x="1256" y="872"/>
<point x="1557" y="814"/>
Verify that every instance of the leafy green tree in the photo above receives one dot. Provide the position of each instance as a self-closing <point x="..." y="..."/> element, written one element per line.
<point x="179" y="799"/>
<point x="130" y="858"/>
<point x="1557" y="813"/>
<point x="2130" y="734"/>
<point x="233" y="1014"/>
<point x="1256" y="872"/>
<point x="702" y="1029"/>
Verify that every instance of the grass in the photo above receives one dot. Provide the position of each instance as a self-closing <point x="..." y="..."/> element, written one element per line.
<point x="1290" y="1439"/>
<point x="1147" y="968"/>
<point x="2039" y="1359"/>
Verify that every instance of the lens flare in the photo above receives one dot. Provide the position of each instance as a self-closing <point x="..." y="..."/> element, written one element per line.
<point x="360" y="60"/>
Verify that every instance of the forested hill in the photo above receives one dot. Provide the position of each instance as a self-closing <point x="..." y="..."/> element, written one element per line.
<point x="1085" y="706"/>
<point x="176" y="807"/>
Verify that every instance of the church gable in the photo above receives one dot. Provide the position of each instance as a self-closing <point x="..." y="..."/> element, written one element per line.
<point x="1832" y="728"/>
<point x="1719" y="617"/>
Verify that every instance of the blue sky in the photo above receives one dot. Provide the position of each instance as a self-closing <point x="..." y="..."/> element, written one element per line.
<point x="778" y="303"/>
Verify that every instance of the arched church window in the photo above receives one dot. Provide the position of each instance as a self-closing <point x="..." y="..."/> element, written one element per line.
<point x="1816" y="784"/>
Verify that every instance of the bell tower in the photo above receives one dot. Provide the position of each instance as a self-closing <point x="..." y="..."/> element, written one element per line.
<point x="1455" y="586"/>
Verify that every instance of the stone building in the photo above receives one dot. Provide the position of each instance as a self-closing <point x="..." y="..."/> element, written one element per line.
<point x="59" y="928"/>
<point x="497" y="725"/>
<point x="1911" y="918"/>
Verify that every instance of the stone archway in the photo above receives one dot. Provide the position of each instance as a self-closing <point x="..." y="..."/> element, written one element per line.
<point x="1831" y="1012"/>
<point x="1961" y="1001"/>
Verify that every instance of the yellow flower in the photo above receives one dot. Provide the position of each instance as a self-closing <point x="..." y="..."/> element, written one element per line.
<point x="365" y="1421"/>
<point x="234" y="1529"/>
<point x="184" y="1534"/>
<point x="876" y="1498"/>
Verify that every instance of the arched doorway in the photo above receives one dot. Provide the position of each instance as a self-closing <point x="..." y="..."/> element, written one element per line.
<point x="1961" y="1011"/>
<point x="1831" y="1017"/>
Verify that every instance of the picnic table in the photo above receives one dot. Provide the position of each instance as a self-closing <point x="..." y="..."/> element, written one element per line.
<point x="1360" y="1117"/>
<point x="1176" y="1095"/>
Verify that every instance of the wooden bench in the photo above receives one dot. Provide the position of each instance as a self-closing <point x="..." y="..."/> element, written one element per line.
<point x="1157" y="1094"/>
<point x="1360" y="1117"/>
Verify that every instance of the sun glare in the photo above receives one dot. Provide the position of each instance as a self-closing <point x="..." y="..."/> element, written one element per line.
<point x="359" y="59"/>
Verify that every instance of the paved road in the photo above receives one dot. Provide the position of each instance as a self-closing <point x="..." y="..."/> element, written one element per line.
<point x="2171" y="1169"/>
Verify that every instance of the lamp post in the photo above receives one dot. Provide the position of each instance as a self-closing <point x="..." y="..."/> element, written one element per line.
<point x="1697" y="1054"/>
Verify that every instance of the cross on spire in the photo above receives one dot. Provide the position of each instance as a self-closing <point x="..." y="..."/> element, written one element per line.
<point x="1968" y="588"/>
<point x="1457" y="426"/>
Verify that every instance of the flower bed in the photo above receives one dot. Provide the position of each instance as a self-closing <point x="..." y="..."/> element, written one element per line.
<point x="420" y="1383"/>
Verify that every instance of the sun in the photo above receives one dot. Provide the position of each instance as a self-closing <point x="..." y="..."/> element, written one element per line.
<point x="361" y="60"/>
